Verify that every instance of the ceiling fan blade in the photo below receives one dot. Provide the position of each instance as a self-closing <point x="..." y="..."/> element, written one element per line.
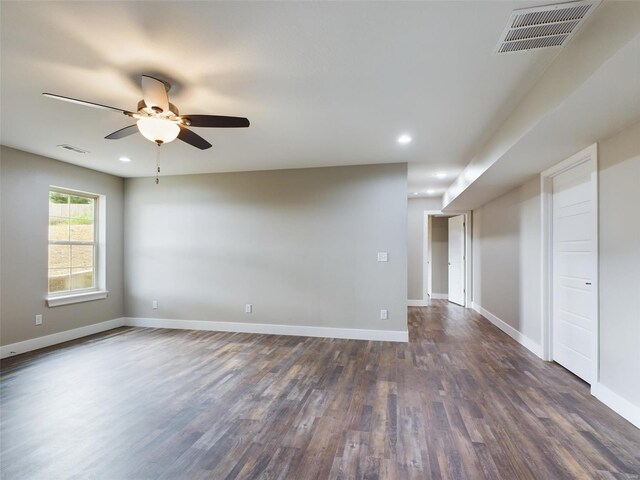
<point x="194" y="139"/>
<point x="123" y="132"/>
<point x="216" y="121"/>
<point x="88" y="104"/>
<point x="154" y="92"/>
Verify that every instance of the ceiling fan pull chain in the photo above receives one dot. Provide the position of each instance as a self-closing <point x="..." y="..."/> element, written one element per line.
<point x="158" y="165"/>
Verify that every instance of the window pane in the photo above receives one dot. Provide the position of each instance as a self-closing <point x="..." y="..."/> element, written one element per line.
<point x="59" y="280"/>
<point x="81" y="256"/>
<point x="58" y="228"/>
<point x="81" y="232"/>
<point x="81" y="278"/>
<point x="80" y="200"/>
<point x="81" y="212"/>
<point x="59" y="256"/>
<point x="58" y="204"/>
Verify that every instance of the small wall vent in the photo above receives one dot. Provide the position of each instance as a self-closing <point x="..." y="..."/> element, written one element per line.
<point x="543" y="27"/>
<point x="72" y="148"/>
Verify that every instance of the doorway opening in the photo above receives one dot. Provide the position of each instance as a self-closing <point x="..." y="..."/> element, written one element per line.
<point x="438" y="262"/>
<point x="447" y="257"/>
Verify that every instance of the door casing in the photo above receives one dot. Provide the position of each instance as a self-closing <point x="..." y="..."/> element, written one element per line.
<point x="587" y="156"/>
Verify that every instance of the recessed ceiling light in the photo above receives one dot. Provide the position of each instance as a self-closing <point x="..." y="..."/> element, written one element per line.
<point x="404" y="139"/>
<point x="430" y="192"/>
<point x="415" y="193"/>
<point x="125" y="159"/>
<point x="441" y="175"/>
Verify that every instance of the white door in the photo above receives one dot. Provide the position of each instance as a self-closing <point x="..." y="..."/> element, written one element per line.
<point x="429" y="259"/>
<point x="574" y="270"/>
<point x="456" y="260"/>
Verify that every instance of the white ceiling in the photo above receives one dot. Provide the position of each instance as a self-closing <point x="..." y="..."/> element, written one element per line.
<point x="584" y="117"/>
<point x="323" y="83"/>
<point x="590" y="92"/>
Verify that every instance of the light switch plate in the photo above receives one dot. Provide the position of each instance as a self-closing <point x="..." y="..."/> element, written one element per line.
<point x="383" y="256"/>
<point x="248" y="308"/>
<point x="38" y="319"/>
<point x="384" y="314"/>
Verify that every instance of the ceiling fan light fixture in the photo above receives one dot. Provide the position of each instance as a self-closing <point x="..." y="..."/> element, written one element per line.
<point x="158" y="120"/>
<point x="158" y="130"/>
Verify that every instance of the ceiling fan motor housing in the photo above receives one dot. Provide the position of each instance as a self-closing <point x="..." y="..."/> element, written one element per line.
<point x="142" y="106"/>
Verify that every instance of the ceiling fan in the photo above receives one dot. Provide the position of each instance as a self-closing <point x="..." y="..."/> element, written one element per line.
<point x="159" y="121"/>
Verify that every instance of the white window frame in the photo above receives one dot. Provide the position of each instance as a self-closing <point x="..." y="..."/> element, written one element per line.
<point x="98" y="291"/>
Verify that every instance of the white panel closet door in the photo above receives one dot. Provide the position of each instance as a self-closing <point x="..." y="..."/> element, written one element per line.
<point x="574" y="270"/>
<point x="456" y="259"/>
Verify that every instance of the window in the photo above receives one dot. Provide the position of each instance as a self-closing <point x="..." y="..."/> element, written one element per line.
<point x="73" y="242"/>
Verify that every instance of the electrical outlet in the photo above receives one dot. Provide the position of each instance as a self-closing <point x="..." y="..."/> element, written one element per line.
<point x="248" y="308"/>
<point x="384" y="314"/>
<point x="154" y="304"/>
<point x="38" y="319"/>
<point x="383" y="256"/>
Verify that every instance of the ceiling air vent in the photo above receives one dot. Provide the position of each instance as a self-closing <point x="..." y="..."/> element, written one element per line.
<point x="542" y="27"/>
<point x="72" y="148"/>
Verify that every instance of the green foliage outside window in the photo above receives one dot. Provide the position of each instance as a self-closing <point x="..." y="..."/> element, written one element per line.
<point x="57" y="197"/>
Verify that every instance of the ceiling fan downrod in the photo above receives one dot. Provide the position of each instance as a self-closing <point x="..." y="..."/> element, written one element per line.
<point x="159" y="143"/>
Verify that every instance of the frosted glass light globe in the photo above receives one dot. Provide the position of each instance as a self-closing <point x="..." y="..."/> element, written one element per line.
<point x="158" y="129"/>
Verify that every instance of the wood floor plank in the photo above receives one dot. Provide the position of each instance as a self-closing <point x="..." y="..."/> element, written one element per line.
<point x="461" y="400"/>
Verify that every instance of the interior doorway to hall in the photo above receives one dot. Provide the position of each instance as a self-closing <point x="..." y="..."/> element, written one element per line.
<point x="446" y="272"/>
<point x="438" y="261"/>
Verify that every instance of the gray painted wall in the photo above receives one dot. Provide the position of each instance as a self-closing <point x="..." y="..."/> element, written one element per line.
<point x="619" y="183"/>
<point x="440" y="254"/>
<point x="416" y="241"/>
<point x="24" y="208"/>
<point x="300" y="245"/>
<point x="507" y="256"/>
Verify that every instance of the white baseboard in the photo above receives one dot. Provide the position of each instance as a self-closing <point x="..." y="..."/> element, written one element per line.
<point x="509" y="330"/>
<point x="615" y="402"/>
<point x="294" y="330"/>
<point x="61" y="337"/>
<point x="265" y="328"/>
<point x="440" y="296"/>
<point x="417" y="303"/>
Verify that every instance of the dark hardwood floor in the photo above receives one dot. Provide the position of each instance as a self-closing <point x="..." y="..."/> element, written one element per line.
<point x="461" y="400"/>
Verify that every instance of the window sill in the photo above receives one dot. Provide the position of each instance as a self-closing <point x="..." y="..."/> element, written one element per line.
<point x="59" y="300"/>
